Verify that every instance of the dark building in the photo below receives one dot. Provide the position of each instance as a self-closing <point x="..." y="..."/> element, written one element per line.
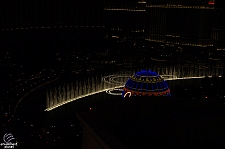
<point x="196" y="23"/>
<point x="169" y="22"/>
<point x="219" y="26"/>
<point x="153" y="122"/>
<point x="17" y="14"/>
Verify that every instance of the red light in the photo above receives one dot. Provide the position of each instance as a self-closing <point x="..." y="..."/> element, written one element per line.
<point x="90" y="109"/>
<point x="211" y="3"/>
<point x="206" y="97"/>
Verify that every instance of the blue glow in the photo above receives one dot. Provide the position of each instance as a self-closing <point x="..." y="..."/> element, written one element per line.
<point x="144" y="85"/>
<point x="157" y="86"/>
<point x="152" y="87"/>
<point x="160" y="85"/>
<point x="137" y="86"/>
<point x="146" y="73"/>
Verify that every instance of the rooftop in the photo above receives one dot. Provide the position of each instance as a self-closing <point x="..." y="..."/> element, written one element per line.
<point x="160" y="122"/>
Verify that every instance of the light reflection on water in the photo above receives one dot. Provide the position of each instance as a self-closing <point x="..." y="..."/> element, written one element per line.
<point x="33" y="109"/>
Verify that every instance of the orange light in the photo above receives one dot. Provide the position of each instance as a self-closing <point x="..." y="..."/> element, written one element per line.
<point x="211" y="3"/>
<point x="127" y="93"/>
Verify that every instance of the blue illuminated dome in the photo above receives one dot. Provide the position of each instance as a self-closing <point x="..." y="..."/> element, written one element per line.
<point x="146" y="83"/>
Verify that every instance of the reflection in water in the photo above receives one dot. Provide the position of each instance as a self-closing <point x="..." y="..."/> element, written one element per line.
<point x="33" y="108"/>
<point x="64" y="94"/>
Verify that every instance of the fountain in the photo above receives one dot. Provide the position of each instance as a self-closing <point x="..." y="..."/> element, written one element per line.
<point x="79" y="88"/>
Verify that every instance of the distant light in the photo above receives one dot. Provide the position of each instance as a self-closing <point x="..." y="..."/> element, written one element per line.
<point x="142" y="2"/>
<point x="211" y="3"/>
<point x="127" y="93"/>
<point x="206" y="97"/>
<point x="90" y="109"/>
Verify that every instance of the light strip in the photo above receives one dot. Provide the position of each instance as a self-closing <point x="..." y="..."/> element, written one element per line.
<point x="108" y="91"/>
<point x="82" y="96"/>
<point x="127" y="93"/>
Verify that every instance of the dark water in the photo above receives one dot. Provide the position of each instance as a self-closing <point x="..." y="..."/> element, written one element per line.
<point x="184" y="83"/>
<point x="62" y="121"/>
<point x="32" y="109"/>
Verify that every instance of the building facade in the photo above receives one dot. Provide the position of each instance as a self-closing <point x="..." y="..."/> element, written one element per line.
<point x="22" y="14"/>
<point x="218" y="33"/>
<point x="188" y="23"/>
<point x="195" y="23"/>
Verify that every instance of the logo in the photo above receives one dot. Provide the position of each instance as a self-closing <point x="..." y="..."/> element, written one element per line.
<point x="7" y="138"/>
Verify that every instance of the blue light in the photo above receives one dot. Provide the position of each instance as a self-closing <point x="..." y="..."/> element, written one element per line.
<point x="148" y="83"/>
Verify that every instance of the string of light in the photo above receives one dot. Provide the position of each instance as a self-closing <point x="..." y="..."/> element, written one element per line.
<point x="118" y="87"/>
